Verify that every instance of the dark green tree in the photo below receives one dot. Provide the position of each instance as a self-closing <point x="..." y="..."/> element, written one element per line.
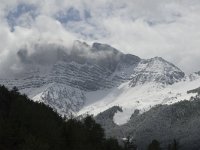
<point x="111" y="144"/>
<point x="26" y="125"/>
<point x="154" y="145"/>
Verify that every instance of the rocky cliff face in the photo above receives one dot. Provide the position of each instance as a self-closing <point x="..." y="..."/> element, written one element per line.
<point x="60" y="77"/>
<point x="156" y="70"/>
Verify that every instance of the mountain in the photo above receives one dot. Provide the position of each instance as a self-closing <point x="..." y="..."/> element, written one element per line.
<point x="141" y="97"/>
<point x="179" y="121"/>
<point x="156" y="70"/>
<point x="90" y="79"/>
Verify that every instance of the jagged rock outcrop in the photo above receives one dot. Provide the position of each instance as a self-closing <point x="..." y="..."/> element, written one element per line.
<point x="84" y="68"/>
<point x="156" y="70"/>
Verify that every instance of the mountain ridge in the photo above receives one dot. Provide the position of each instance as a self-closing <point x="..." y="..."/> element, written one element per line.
<point x="86" y="70"/>
<point x="179" y="121"/>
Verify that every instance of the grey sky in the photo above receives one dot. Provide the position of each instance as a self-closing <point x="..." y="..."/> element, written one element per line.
<point x="147" y="28"/>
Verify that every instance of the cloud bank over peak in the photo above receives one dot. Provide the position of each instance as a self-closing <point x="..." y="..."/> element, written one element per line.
<point x="146" y="28"/>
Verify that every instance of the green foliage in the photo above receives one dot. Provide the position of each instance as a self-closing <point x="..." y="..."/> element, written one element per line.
<point x="25" y="125"/>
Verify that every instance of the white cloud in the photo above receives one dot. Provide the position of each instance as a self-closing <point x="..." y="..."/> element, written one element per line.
<point x="146" y="28"/>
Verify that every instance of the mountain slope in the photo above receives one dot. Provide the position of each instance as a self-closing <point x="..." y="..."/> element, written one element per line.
<point x="81" y="78"/>
<point x="180" y="121"/>
<point x="141" y="97"/>
<point x="156" y="70"/>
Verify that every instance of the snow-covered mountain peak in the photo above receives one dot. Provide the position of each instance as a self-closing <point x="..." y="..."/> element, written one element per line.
<point x="161" y="65"/>
<point x="68" y="79"/>
<point x="156" y="70"/>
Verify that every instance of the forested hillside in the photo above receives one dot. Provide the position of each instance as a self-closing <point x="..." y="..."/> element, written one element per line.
<point x="176" y="124"/>
<point x="26" y="125"/>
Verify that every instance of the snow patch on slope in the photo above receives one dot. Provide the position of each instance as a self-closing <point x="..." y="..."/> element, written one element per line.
<point x="141" y="97"/>
<point x="123" y="117"/>
<point x="62" y="98"/>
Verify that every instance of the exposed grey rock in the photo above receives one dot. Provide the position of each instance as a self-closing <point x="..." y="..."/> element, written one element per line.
<point x="156" y="70"/>
<point x="86" y="68"/>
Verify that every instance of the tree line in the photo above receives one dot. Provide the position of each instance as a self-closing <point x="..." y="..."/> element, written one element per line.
<point x="26" y="125"/>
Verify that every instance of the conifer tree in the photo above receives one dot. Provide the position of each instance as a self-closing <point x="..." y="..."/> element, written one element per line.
<point x="154" y="145"/>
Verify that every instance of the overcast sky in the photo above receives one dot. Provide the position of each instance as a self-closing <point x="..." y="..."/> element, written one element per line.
<point x="146" y="28"/>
